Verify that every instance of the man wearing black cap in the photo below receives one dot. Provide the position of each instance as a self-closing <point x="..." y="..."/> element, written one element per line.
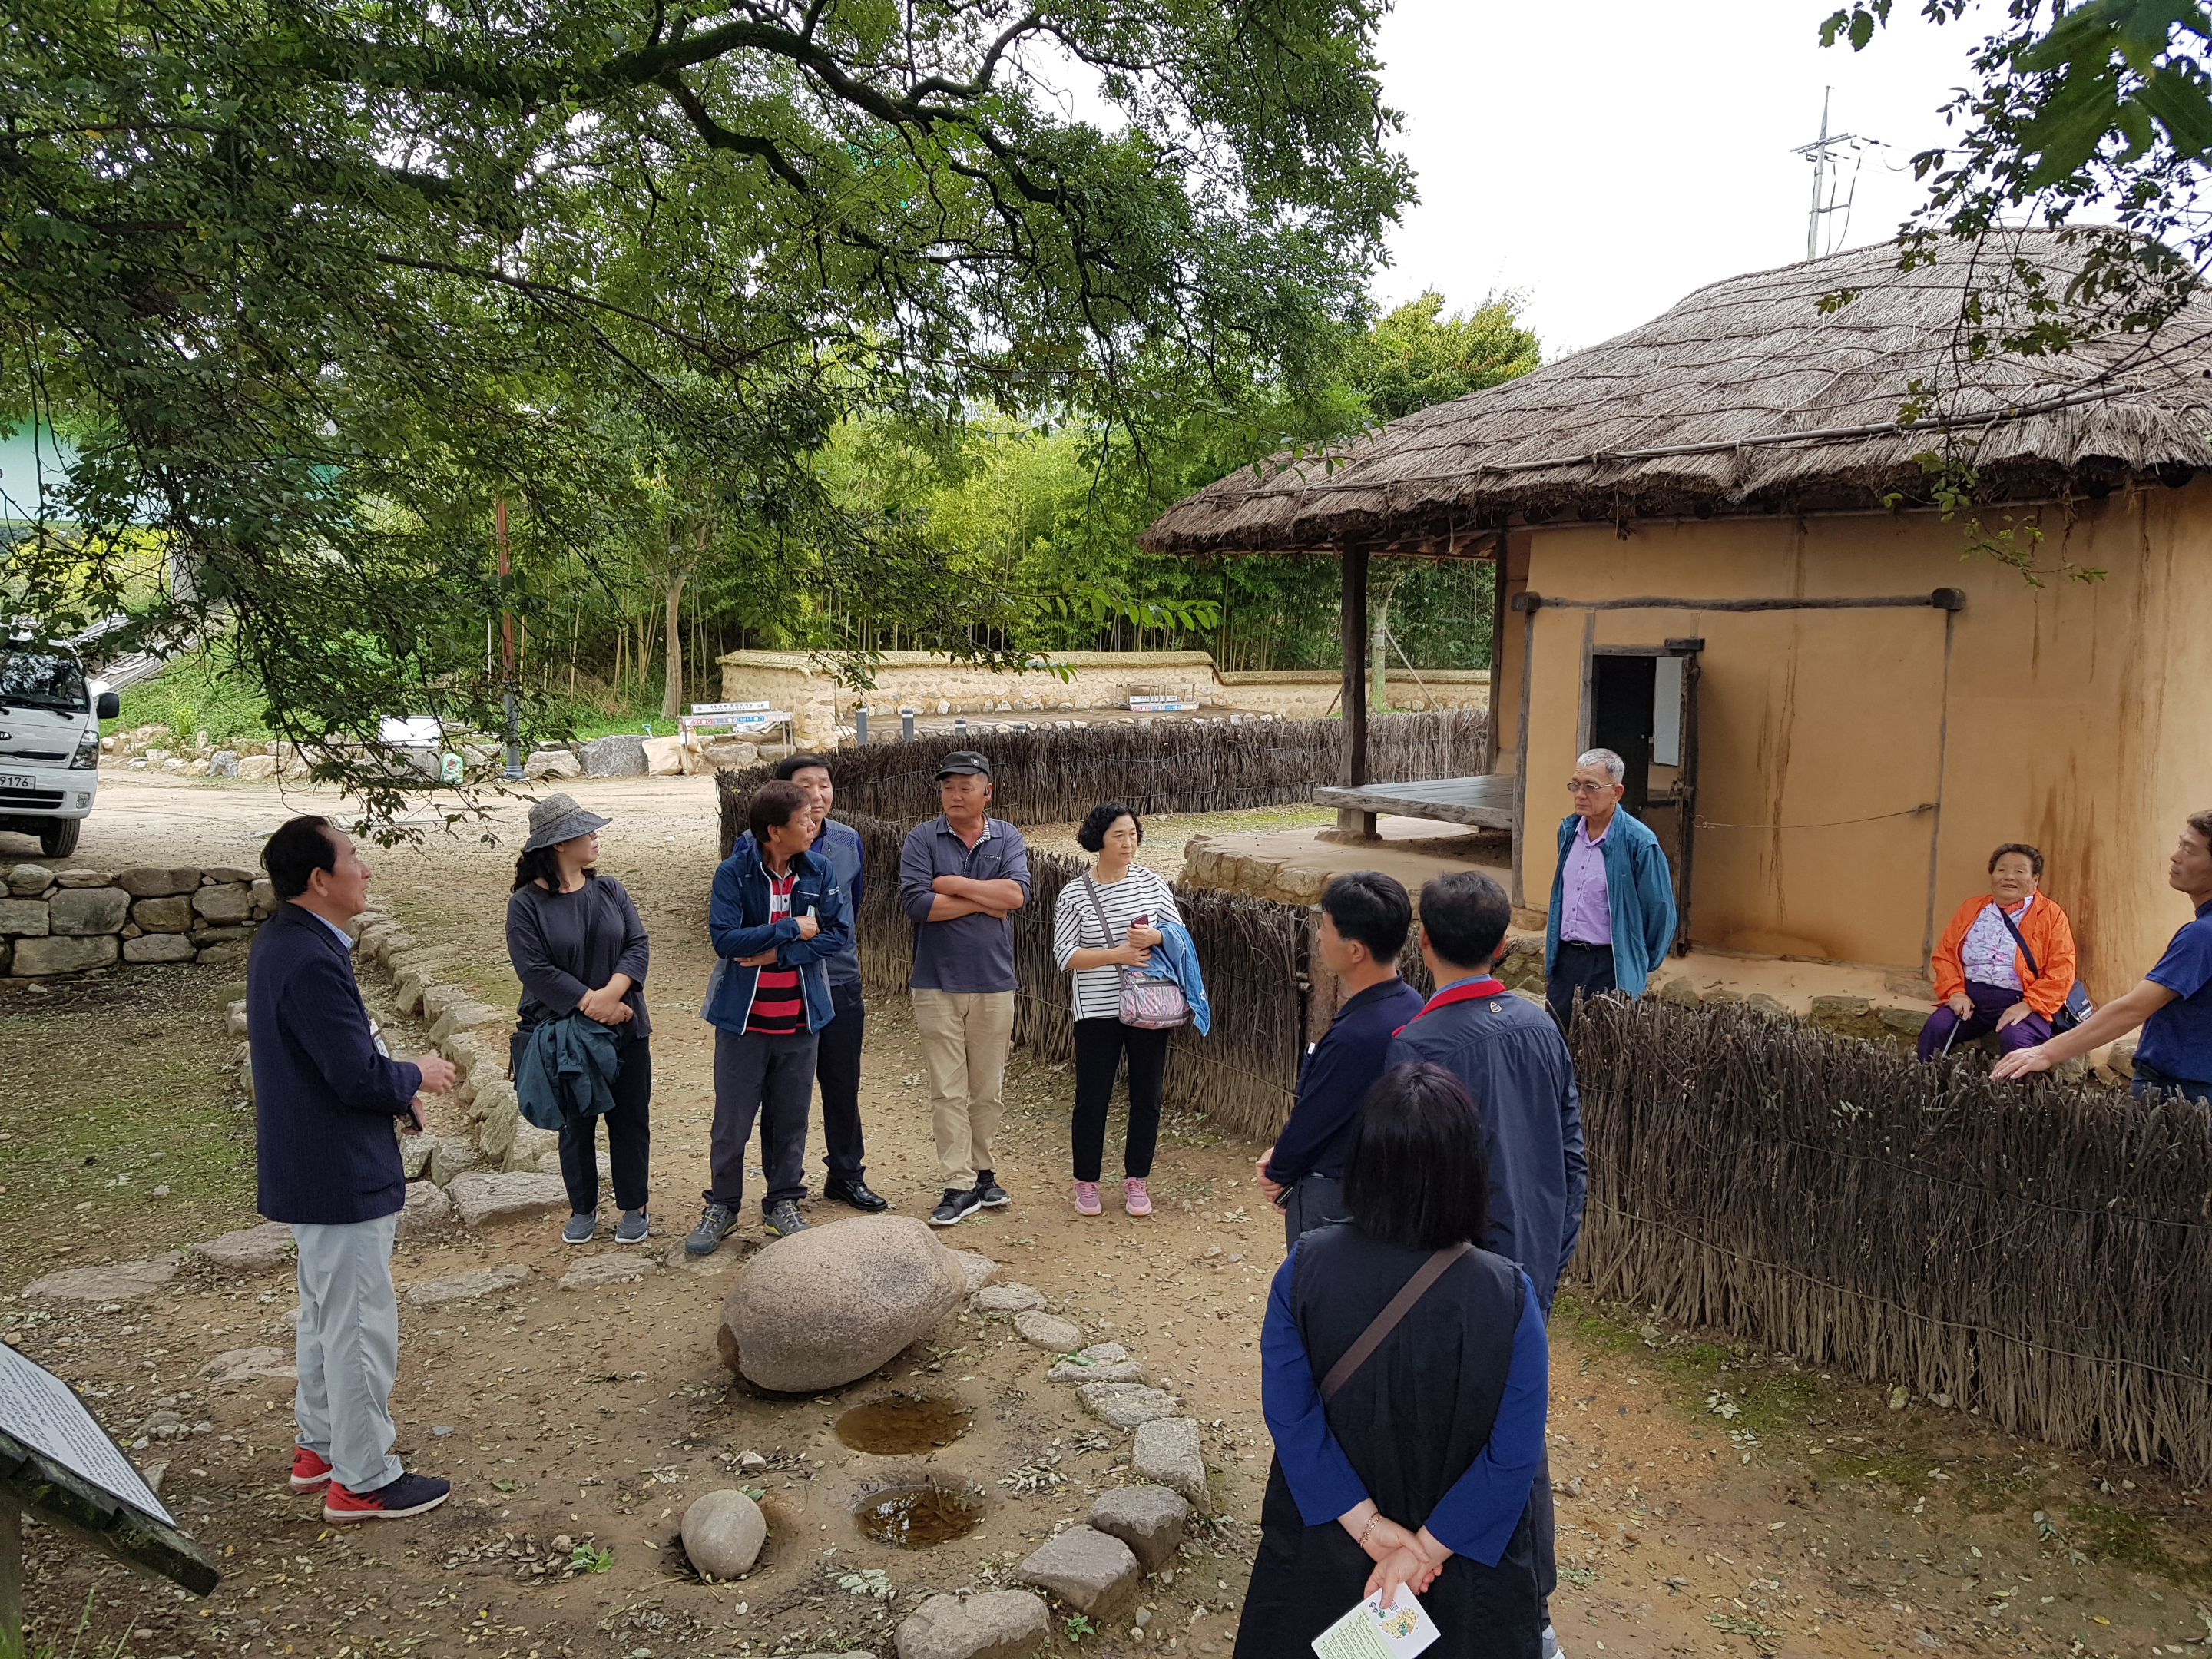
<point x="961" y="876"/>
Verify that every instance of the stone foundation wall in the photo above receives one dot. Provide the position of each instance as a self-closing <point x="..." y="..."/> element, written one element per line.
<point x="1097" y="681"/>
<point x="67" y="921"/>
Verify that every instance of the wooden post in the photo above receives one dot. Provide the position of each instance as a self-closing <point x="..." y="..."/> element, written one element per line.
<point x="1353" y="773"/>
<point x="11" y="1579"/>
<point x="1491" y="746"/>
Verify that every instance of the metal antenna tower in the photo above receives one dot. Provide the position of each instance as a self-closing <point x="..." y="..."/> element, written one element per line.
<point x="1827" y="153"/>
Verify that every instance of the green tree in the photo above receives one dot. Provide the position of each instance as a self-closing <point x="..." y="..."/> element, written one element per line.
<point x="1415" y="356"/>
<point x="315" y="281"/>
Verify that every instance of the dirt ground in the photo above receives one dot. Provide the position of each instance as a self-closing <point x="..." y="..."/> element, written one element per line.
<point x="1712" y="1499"/>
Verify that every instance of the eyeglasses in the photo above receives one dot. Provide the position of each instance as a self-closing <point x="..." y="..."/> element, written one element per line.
<point x="1578" y="787"/>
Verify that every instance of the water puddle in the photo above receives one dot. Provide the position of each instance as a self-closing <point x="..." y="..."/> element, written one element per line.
<point x="917" y="1517"/>
<point x="903" y="1425"/>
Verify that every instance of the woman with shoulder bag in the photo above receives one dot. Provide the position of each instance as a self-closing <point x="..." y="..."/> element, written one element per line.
<point x="1404" y="1376"/>
<point x="579" y="947"/>
<point x="1105" y="926"/>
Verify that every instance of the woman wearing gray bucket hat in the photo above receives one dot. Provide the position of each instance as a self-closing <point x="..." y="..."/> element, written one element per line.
<point x="579" y="947"/>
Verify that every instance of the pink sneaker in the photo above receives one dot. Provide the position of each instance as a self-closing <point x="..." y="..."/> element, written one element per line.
<point x="1134" y="1199"/>
<point x="1087" y="1198"/>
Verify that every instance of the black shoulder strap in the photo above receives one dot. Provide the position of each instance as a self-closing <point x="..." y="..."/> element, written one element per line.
<point x="2034" y="972"/>
<point x="1387" y="1321"/>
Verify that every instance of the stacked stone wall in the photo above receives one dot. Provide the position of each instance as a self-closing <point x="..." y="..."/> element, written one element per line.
<point x="56" y="920"/>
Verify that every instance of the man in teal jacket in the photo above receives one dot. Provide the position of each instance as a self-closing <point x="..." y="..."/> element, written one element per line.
<point x="1613" y="895"/>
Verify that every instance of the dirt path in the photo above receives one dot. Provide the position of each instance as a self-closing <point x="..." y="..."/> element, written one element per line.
<point x="1712" y="1501"/>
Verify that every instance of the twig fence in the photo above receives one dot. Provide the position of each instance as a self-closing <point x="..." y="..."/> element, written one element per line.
<point x="2040" y="1253"/>
<point x="1056" y="775"/>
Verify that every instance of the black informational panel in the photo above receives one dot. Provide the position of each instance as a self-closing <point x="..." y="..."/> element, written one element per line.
<point x="58" y="1463"/>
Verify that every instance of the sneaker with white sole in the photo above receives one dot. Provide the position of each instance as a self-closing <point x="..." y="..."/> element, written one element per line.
<point x="960" y="1203"/>
<point x="988" y="1193"/>
<point x="410" y="1494"/>
<point x="1134" y="1199"/>
<point x="581" y="1228"/>
<point x="309" y="1472"/>
<point x="1087" y="1198"/>
<point x="633" y="1228"/>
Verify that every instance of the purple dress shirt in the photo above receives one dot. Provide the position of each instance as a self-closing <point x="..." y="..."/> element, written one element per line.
<point x="1585" y="913"/>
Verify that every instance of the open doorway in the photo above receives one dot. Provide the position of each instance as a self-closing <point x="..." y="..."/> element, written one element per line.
<point x="1643" y="707"/>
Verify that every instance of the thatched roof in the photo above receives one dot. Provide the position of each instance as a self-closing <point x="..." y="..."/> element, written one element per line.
<point x="1745" y="397"/>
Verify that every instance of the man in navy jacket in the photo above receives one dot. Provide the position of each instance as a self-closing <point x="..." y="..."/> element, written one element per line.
<point x="1510" y="1054"/>
<point x="326" y="1099"/>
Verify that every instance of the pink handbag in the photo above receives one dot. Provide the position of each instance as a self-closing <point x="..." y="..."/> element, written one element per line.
<point x="1148" y="1002"/>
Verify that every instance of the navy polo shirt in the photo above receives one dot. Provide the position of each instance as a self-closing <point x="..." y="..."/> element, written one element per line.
<point x="2176" y="1040"/>
<point x="1338" y="1072"/>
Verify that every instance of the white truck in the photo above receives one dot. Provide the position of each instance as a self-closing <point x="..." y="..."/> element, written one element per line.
<point x="49" y="718"/>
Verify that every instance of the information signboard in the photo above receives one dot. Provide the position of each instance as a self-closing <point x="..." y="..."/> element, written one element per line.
<point x="44" y="1414"/>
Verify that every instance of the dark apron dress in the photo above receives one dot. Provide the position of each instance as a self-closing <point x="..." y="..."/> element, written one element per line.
<point x="1413" y="1420"/>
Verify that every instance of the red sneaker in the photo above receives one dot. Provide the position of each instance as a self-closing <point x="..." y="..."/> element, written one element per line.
<point x="309" y="1472"/>
<point x="410" y="1494"/>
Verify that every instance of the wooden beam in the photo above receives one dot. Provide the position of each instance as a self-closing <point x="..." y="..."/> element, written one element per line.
<point x="1352" y="773"/>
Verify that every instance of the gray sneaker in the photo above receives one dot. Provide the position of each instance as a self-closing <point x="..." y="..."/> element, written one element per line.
<point x="580" y="1229"/>
<point x="632" y="1228"/>
<point x="783" y="1220"/>
<point x="713" y="1226"/>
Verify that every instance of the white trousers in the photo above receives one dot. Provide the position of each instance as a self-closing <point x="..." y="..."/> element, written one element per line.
<point x="349" y="1350"/>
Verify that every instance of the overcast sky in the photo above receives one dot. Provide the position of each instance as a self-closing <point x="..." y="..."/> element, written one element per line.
<point x="1607" y="156"/>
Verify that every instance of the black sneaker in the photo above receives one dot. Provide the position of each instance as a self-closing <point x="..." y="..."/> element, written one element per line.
<point x="714" y="1227"/>
<point x="857" y="1193"/>
<point x="783" y="1220"/>
<point x="410" y="1494"/>
<point x="959" y="1204"/>
<point x="988" y="1193"/>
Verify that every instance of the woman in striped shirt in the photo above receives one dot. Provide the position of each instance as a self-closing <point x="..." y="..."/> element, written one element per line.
<point x="1101" y="926"/>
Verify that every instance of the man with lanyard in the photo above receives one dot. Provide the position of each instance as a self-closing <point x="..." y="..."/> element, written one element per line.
<point x="837" y="1061"/>
<point x="1514" y="1062"/>
<point x="1365" y="918"/>
<point x="2173" y="1003"/>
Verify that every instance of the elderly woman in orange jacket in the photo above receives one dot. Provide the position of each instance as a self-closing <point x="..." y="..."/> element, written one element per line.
<point x="1985" y="980"/>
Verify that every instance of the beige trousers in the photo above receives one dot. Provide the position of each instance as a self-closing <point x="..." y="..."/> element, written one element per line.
<point x="964" y="1038"/>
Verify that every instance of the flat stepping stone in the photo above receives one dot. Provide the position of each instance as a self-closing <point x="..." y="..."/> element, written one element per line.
<point x="119" y="1281"/>
<point x="249" y="1250"/>
<point x="1104" y="1353"/>
<point x="1009" y="1297"/>
<point x="459" y="1287"/>
<point x="1148" y="1519"/>
<point x="1094" y="1572"/>
<point x="246" y="1365"/>
<point x="996" y="1625"/>
<point x="481" y="1197"/>
<point x="1108" y="1370"/>
<point x="977" y="1268"/>
<point x="427" y="1207"/>
<point x="1168" y="1452"/>
<point x="1047" y="1331"/>
<point x="594" y="1270"/>
<point x="1127" y="1405"/>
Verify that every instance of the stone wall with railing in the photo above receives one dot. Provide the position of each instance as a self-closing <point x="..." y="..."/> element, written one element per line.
<point x="55" y="921"/>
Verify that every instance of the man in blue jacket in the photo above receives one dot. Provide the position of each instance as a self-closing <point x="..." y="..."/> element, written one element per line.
<point x="325" y="1100"/>
<point x="1365" y="918"/>
<point x="777" y="916"/>
<point x="1514" y="1062"/>
<point x="1613" y="896"/>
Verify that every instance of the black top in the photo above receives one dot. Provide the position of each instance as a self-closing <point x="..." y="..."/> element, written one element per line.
<point x="323" y="1099"/>
<point x="563" y="945"/>
<point x="1411" y="1421"/>
<point x="1335" y="1080"/>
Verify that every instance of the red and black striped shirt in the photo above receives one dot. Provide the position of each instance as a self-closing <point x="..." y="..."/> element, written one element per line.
<point x="779" y="1005"/>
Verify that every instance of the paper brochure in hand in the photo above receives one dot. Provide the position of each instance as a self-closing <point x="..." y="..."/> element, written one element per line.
<point x="1374" y="1631"/>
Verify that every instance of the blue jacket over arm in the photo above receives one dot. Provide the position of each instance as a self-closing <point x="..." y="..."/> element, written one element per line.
<point x="324" y="1100"/>
<point x="1639" y="896"/>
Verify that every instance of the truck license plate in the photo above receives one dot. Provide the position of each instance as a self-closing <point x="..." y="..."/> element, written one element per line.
<point x="17" y="780"/>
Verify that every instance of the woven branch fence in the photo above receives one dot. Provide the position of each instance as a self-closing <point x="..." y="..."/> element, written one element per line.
<point x="2040" y="1252"/>
<point x="1243" y="1076"/>
<point x="1056" y="775"/>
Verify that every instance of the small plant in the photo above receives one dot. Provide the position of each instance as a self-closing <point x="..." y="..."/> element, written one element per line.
<point x="590" y="1557"/>
<point x="1078" y="1627"/>
<point x="868" y="1581"/>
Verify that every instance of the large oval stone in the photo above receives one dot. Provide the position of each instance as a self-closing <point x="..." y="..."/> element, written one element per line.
<point x="723" y="1532"/>
<point x="828" y="1305"/>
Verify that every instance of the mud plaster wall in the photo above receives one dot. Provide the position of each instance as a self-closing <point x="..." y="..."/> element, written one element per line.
<point x="2075" y="720"/>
